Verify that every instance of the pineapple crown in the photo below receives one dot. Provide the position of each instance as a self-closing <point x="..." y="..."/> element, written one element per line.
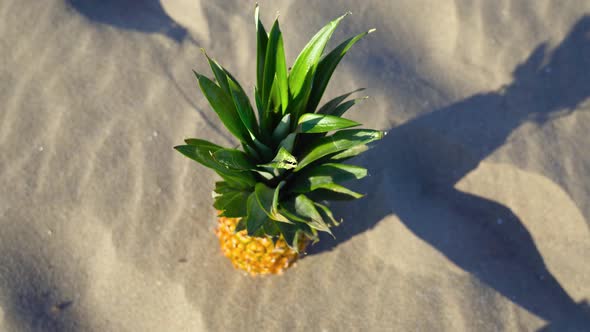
<point x="289" y="166"/>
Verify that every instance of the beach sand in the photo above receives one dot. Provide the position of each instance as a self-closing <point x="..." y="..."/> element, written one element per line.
<point x="476" y="216"/>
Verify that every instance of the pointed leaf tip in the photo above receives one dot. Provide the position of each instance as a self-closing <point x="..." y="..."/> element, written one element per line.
<point x="301" y="77"/>
<point x="326" y="67"/>
<point x="224" y="106"/>
<point x="338" y="142"/>
<point x="256" y="16"/>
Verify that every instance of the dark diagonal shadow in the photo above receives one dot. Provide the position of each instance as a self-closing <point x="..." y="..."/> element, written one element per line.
<point x="416" y="167"/>
<point x="33" y="302"/>
<point x="146" y="16"/>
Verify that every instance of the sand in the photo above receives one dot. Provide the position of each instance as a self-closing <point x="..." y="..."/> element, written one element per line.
<point x="477" y="214"/>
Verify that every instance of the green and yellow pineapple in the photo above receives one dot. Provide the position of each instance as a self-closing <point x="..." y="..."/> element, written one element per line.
<point x="271" y="199"/>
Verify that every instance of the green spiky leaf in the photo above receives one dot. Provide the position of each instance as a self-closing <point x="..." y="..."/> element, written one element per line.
<point x="350" y="153"/>
<point x="202" y="144"/>
<point x="233" y="159"/>
<point x="327" y="214"/>
<point x="222" y="187"/>
<point x="326" y="68"/>
<point x="299" y="223"/>
<point x="268" y="200"/>
<point x="333" y="103"/>
<point x="342" y="191"/>
<point x="282" y="77"/>
<point x="243" y="106"/>
<point x="256" y="216"/>
<point x="261" y="42"/>
<point x="263" y="150"/>
<point x="231" y="203"/>
<point x="241" y="225"/>
<point x="316" y="123"/>
<point x="238" y="180"/>
<point x="270" y="60"/>
<point x="291" y="233"/>
<point x="283" y="160"/>
<point x="282" y="129"/>
<point x="315" y="177"/>
<point x="339" y="110"/>
<point x="275" y="214"/>
<point x="275" y="85"/>
<point x="251" y="152"/>
<point x="218" y="72"/>
<point x="289" y="142"/>
<point x="270" y="229"/>
<point x="223" y="105"/>
<point x="309" y="57"/>
<point x="306" y="212"/>
<point x="340" y="141"/>
<point x="202" y="151"/>
<point x="264" y="197"/>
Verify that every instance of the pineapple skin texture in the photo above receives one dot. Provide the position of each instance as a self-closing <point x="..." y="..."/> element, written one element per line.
<point x="255" y="255"/>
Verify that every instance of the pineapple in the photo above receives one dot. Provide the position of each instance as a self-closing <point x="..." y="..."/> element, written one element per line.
<point x="272" y="194"/>
<point x="256" y="255"/>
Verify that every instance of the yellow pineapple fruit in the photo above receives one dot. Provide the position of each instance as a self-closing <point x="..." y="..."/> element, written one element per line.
<point x="273" y="191"/>
<point x="255" y="255"/>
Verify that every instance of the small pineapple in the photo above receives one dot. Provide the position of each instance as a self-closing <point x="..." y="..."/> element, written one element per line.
<point x="256" y="255"/>
<point x="271" y="199"/>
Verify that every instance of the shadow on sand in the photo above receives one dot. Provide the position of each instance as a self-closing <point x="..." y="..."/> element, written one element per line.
<point x="35" y="302"/>
<point x="146" y="16"/>
<point x="419" y="163"/>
